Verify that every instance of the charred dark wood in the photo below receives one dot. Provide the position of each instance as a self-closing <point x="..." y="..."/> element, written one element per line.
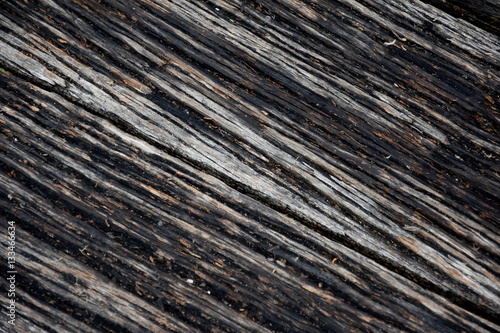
<point x="230" y="166"/>
<point x="482" y="13"/>
<point x="485" y="8"/>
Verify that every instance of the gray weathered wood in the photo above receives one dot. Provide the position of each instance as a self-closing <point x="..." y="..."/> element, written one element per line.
<point x="250" y="166"/>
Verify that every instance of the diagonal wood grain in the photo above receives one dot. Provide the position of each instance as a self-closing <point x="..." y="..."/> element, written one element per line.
<point x="250" y="166"/>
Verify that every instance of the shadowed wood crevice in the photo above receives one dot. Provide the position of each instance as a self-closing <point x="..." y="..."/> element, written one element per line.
<point x="250" y="166"/>
<point x="482" y="13"/>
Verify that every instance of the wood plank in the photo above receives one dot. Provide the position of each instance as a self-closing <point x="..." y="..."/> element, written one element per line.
<point x="236" y="166"/>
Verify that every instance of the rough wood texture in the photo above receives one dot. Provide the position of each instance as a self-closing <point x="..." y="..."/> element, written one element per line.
<point x="482" y="13"/>
<point x="232" y="166"/>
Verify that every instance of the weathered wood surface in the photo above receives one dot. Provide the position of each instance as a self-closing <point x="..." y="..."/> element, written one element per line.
<point x="482" y="13"/>
<point x="233" y="166"/>
<point x="486" y="8"/>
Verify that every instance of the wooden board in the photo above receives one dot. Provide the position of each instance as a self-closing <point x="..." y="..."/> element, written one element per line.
<point x="244" y="166"/>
